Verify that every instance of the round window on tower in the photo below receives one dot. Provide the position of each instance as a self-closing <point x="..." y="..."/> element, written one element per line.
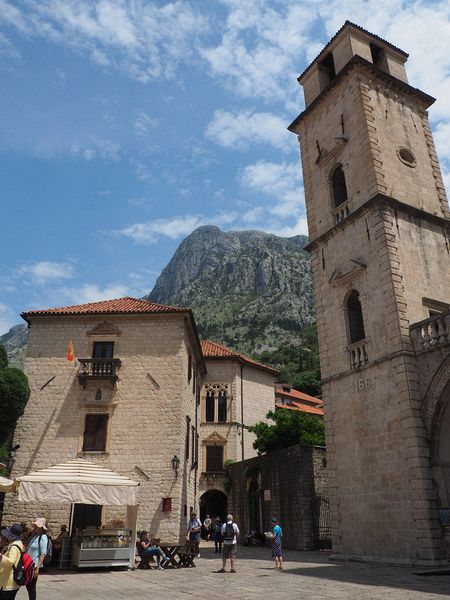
<point x="407" y="157"/>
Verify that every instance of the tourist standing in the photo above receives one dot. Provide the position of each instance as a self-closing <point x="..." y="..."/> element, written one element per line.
<point x="57" y="545"/>
<point x="207" y="527"/>
<point x="276" y="544"/>
<point x="217" y="534"/>
<point x="37" y="549"/>
<point x="230" y="532"/>
<point x="11" y="550"/>
<point x="194" y="530"/>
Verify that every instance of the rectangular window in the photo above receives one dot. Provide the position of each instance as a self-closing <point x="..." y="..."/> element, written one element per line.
<point x="189" y="366"/>
<point x="214" y="458"/>
<point x="188" y="422"/>
<point x="193" y="442"/>
<point x="102" y="354"/>
<point x="95" y="430"/>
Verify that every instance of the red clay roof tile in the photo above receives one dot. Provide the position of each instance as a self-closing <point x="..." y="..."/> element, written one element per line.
<point x="213" y="350"/>
<point x="125" y="305"/>
<point x="295" y="394"/>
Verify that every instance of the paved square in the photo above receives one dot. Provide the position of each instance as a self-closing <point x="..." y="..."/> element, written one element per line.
<point x="307" y="576"/>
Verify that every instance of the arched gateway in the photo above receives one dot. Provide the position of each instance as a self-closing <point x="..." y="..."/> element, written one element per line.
<point x="213" y="503"/>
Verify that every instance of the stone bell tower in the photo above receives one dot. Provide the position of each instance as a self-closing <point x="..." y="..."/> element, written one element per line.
<point x="379" y="241"/>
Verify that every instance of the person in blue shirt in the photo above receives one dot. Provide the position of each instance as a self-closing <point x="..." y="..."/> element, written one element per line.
<point x="276" y="544"/>
<point x="37" y="549"/>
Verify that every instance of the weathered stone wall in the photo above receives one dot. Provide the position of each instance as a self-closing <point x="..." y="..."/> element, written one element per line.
<point x="147" y="412"/>
<point x="289" y="480"/>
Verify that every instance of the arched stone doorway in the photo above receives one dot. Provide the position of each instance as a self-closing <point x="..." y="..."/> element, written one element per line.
<point x="254" y="506"/>
<point x="213" y="503"/>
<point x="436" y="415"/>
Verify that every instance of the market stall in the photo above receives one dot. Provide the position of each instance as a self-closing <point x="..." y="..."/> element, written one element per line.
<point x="82" y="482"/>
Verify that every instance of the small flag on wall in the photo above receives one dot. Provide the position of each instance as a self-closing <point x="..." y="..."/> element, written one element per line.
<point x="70" y="354"/>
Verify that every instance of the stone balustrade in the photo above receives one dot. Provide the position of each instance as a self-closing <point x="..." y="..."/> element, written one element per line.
<point x="341" y="212"/>
<point x="431" y="332"/>
<point x="358" y="354"/>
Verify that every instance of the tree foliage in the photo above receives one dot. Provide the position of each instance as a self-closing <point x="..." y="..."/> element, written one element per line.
<point x="298" y="366"/>
<point x="290" y="428"/>
<point x="3" y="357"/>
<point x="14" y="394"/>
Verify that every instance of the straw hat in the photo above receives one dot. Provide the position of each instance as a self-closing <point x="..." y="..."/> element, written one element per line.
<point x="41" y="523"/>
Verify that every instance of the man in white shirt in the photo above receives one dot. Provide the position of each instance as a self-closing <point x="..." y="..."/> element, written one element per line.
<point x="193" y="530"/>
<point x="230" y="531"/>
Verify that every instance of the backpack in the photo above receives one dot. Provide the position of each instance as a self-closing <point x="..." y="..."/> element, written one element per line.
<point x="23" y="573"/>
<point x="229" y="534"/>
<point x="217" y="527"/>
<point x="49" y="552"/>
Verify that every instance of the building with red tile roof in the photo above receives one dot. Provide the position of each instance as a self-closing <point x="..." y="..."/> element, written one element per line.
<point x="289" y="398"/>
<point x="213" y="350"/>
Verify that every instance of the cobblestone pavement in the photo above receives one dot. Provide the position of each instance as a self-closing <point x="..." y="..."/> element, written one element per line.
<point x="307" y="576"/>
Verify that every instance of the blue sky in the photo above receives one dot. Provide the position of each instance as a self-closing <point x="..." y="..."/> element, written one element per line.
<point x="124" y="125"/>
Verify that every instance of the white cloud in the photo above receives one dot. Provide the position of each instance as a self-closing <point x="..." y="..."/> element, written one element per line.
<point x="240" y="130"/>
<point x="141" y="38"/>
<point x="88" y="292"/>
<point x="7" y="318"/>
<point x="261" y="46"/>
<point x="280" y="181"/>
<point x="104" y="149"/>
<point x="174" y="228"/>
<point x="45" y="271"/>
<point x="143" y="124"/>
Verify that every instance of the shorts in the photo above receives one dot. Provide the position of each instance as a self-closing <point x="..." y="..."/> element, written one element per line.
<point x="229" y="550"/>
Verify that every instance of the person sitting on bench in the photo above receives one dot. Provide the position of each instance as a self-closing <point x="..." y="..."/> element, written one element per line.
<point x="149" y="548"/>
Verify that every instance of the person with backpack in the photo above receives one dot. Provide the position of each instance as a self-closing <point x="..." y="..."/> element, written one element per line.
<point x="10" y="554"/>
<point x="37" y="549"/>
<point x="230" y="532"/>
<point x="217" y="534"/>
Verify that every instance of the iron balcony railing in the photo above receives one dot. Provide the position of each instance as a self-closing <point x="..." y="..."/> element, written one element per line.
<point x="98" y="368"/>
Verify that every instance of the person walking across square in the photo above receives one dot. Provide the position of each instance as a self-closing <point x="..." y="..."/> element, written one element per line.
<point x="230" y="532"/>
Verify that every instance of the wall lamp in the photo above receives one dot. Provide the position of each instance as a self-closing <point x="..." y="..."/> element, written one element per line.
<point x="175" y="463"/>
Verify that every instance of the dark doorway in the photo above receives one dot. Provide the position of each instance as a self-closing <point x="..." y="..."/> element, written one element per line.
<point x="254" y="503"/>
<point x="86" y="515"/>
<point x="213" y="503"/>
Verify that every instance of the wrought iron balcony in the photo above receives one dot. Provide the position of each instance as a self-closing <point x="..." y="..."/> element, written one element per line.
<point x="98" y="368"/>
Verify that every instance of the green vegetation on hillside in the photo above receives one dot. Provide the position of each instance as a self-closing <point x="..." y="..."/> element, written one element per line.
<point x="14" y="394"/>
<point x="298" y="365"/>
<point x="290" y="428"/>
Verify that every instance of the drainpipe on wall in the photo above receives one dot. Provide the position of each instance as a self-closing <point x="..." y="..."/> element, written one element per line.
<point x="242" y="410"/>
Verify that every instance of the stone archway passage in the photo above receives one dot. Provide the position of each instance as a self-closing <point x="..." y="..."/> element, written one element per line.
<point x="213" y="503"/>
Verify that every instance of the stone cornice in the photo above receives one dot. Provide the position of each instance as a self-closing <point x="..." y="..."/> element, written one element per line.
<point x="379" y="200"/>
